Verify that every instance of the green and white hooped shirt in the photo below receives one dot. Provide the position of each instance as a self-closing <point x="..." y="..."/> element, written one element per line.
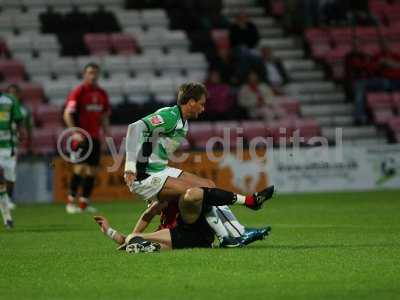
<point x="170" y="129"/>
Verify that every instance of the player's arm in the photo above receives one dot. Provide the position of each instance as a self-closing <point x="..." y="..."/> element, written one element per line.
<point x="133" y="141"/>
<point x="18" y="118"/>
<point x="147" y="216"/>
<point x="105" y="227"/>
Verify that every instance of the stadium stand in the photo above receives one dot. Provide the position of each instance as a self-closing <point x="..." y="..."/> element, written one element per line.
<point x="146" y="49"/>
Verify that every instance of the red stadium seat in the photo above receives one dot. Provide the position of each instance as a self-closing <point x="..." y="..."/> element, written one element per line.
<point x="371" y="49"/>
<point x="118" y="133"/>
<point x="49" y="116"/>
<point x="3" y="48"/>
<point x="278" y="8"/>
<point x="380" y="105"/>
<point x="123" y="43"/>
<point x="394" y="126"/>
<point x="33" y="94"/>
<point x="98" y="43"/>
<point x="320" y="50"/>
<point x="43" y="141"/>
<point x="317" y="36"/>
<point x="308" y="128"/>
<point x="391" y="33"/>
<point x="221" y="38"/>
<point x="344" y="35"/>
<point x="12" y="70"/>
<point x="367" y="34"/>
<point x="396" y="101"/>
<point x="379" y="100"/>
<point x="392" y="13"/>
<point x="289" y="105"/>
<point x="200" y="133"/>
<point x="253" y="129"/>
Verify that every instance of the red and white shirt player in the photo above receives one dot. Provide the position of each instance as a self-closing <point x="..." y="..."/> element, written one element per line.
<point x="90" y="103"/>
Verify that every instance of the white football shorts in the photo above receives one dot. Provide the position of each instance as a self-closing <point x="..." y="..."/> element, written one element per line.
<point x="8" y="165"/>
<point x="149" y="188"/>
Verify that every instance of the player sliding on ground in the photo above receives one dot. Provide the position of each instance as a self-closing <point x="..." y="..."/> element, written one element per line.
<point x="173" y="233"/>
<point x="149" y="144"/>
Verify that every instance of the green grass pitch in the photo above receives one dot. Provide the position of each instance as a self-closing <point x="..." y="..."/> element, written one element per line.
<point x="322" y="246"/>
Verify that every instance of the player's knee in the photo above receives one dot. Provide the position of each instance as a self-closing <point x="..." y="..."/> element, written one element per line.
<point x="193" y="195"/>
<point x="211" y="184"/>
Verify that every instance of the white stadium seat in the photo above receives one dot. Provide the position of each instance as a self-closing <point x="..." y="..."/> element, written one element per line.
<point x="137" y="91"/>
<point x="65" y="66"/>
<point x="163" y="89"/>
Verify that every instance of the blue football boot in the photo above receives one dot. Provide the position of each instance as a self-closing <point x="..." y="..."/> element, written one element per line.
<point x="254" y="234"/>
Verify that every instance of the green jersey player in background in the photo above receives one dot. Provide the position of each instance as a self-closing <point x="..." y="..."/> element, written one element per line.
<point x="10" y="112"/>
<point x="27" y="123"/>
<point x="151" y="141"/>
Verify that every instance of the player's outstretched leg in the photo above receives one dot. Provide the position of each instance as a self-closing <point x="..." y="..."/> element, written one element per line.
<point x="4" y="208"/>
<point x="219" y="197"/>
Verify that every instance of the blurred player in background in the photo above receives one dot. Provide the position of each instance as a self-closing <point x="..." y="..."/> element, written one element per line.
<point x="10" y="112"/>
<point x="27" y="123"/>
<point x="87" y="108"/>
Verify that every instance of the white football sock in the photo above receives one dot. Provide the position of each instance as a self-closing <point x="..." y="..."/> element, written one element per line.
<point x="5" y="210"/>
<point x="215" y="223"/>
<point x="240" y="199"/>
<point x="230" y="221"/>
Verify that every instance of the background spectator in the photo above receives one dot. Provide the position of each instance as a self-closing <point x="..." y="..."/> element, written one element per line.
<point x="258" y="99"/>
<point x="273" y="71"/>
<point x="220" y="102"/>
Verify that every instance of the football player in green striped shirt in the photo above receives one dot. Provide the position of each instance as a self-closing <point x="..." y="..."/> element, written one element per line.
<point x="27" y="123"/>
<point x="151" y="141"/>
<point x="10" y="112"/>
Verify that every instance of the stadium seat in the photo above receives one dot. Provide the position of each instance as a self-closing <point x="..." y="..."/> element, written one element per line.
<point x="114" y="90"/>
<point x="49" y="116"/>
<point x="253" y="129"/>
<point x="169" y="65"/>
<point x="65" y="66"/>
<point x="308" y="128"/>
<point x="46" y="45"/>
<point x="38" y="68"/>
<point x="394" y="126"/>
<point x="380" y="105"/>
<point x="194" y="62"/>
<point x="221" y="38"/>
<point x="154" y="18"/>
<point x="43" y="141"/>
<point x="82" y="61"/>
<point x="32" y="94"/>
<point x="367" y="34"/>
<point x="396" y="102"/>
<point x="200" y="133"/>
<point x="20" y="44"/>
<point x="12" y="70"/>
<point x="231" y="127"/>
<point x="176" y="41"/>
<point x="118" y="134"/>
<point x="116" y="65"/>
<point x="342" y="35"/>
<point x="123" y="43"/>
<point x="129" y="18"/>
<point x="317" y="36"/>
<point x="142" y="65"/>
<point x="152" y="40"/>
<point x="290" y="105"/>
<point x="137" y="91"/>
<point x="27" y="23"/>
<point x="57" y="91"/>
<point x="163" y="90"/>
<point x="97" y="43"/>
